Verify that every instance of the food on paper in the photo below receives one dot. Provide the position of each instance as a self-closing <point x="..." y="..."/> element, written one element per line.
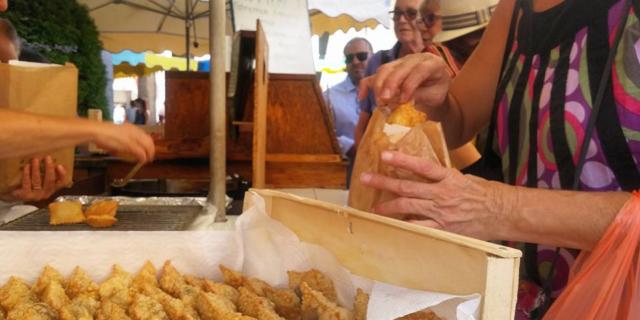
<point x="407" y="115"/>
<point x="65" y="212"/>
<point x="173" y="295"/>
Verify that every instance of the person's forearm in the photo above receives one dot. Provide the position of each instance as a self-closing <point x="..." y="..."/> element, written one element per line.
<point x="451" y="117"/>
<point x="560" y="218"/>
<point x="23" y="134"/>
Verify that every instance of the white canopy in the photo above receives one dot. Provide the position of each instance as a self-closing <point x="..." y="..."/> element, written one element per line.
<point x="333" y="15"/>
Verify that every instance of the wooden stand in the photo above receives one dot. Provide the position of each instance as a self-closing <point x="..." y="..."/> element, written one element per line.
<point x="286" y="138"/>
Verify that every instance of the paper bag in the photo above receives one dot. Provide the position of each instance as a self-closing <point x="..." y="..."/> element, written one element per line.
<point x="45" y="89"/>
<point x="425" y="140"/>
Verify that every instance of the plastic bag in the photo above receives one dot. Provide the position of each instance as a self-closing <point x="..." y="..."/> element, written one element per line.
<point x="604" y="283"/>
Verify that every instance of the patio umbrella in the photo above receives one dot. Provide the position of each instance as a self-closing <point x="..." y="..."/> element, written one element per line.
<point x="181" y="26"/>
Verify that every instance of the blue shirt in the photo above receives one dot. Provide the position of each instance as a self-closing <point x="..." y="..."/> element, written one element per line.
<point x="379" y="58"/>
<point x="343" y="100"/>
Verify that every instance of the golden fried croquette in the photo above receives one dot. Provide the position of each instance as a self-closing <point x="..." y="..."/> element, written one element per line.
<point x="102" y="221"/>
<point x="316" y="280"/>
<point x="79" y="283"/>
<point x="212" y="306"/>
<point x="194" y="281"/>
<point x="316" y="306"/>
<point x="231" y="277"/>
<point x="54" y="296"/>
<point x="82" y="307"/>
<point x="117" y="288"/>
<point x="102" y="208"/>
<point x="48" y="275"/>
<point x="360" y="305"/>
<point x="147" y="275"/>
<point x="32" y="311"/>
<point x="221" y="289"/>
<point x="14" y="292"/>
<point x="421" y="315"/>
<point x="407" y="115"/>
<point x="250" y="304"/>
<point x="65" y="212"/>
<point x="144" y="308"/>
<point x="287" y="303"/>
<point x="111" y="311"/>
<point x="171" y="280"/>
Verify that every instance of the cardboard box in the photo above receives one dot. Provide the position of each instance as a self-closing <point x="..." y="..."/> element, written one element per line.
<point x="401" y="253"/>
<point x="45" y="89"/>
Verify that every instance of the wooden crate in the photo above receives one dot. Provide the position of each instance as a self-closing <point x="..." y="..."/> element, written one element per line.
<point x="401" y="253"/>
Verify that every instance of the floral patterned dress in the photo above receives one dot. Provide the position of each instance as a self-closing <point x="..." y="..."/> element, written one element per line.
<point x="552" y="70"/>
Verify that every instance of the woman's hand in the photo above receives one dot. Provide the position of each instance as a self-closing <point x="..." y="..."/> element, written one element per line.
<point x="125" y="140"/>
<point x="33" y="187"/>
<point x="451" y="201"/>
<point x="421" y="76"/>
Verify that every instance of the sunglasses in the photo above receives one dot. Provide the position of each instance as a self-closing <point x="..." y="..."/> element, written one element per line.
<point x="410" y="14"/>
<point x="362" y="56"/>
<point x="429" y="20"/>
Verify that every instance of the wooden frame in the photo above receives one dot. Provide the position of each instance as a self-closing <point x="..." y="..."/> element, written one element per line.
<point x="402" y="253"/>
<point x="261" y="87"/>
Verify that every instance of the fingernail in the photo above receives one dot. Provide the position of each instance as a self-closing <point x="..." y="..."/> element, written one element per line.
<point x="386" y="156"/>
<point x="365" y="177"/>
<point x="386" y="94"/>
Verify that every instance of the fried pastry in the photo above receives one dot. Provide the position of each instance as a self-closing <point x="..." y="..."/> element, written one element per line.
<point x="79" y="283"/>
<point x="287" y="303"/>
<point x="221" y="289"/>
<point x="231" y="277"/>
<point x="407" y="115"/>
<point x="111" y="311"/>
<point x="252" y="305"/>
<point x="102" y="208"/>
<point x="316" y="280"/>
<point x="65" y="212"/>
<point x="360" y="305"/>
<point x="54" y="296"/>
<point x="316" y="306"/>
<point x="102" y="221"/>
<point x="15" y="292"/>
<point x="82" y="307"/>
<point x="144" y="308"/>
<point x="117" y="288"/>
<point x="212" y="307"/>
<point x="32" y="311"/>
<point x="171" y="280"/>
<point x="146" y="276"/>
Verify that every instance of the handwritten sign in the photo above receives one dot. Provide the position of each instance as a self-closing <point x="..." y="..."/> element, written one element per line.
<point x="286" y="24"/>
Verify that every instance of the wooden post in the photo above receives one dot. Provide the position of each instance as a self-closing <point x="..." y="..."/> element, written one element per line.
<point x="261" y="85"/>
<point x="217" y="109"/>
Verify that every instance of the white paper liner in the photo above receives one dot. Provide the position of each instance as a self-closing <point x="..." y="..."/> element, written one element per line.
<point x="259" y="246"/>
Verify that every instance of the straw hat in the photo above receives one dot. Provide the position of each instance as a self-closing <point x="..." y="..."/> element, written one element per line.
<point x="460" y="17"/>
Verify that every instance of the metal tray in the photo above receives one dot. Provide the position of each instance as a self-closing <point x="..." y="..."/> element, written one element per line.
<point x="139" y="214"/>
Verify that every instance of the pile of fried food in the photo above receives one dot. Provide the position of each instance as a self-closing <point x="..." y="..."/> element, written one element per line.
<point x="122" y="296"/>
<point x="100" y="214"/>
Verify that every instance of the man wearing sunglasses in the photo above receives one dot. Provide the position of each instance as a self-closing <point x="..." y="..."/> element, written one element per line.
<point x="404" y="17"/>
<point x="343" y="97"/>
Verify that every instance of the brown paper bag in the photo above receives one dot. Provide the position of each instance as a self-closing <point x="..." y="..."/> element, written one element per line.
<point x="425" y="140"/>
<point x="43" y="89"/>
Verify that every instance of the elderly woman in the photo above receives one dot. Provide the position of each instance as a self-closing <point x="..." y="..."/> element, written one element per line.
<point x="555" y="82"/>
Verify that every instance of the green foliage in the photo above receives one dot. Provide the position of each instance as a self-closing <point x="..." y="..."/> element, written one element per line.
<point x="63" y="31"/>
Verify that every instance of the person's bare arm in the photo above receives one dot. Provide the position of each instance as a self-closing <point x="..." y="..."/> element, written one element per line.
<point x="464" y="105"/>
<point x="25" y="134"/>
<point x="495" y="211"/>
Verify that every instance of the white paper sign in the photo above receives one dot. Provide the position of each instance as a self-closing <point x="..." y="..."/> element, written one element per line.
<point x="286" y="25"/>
